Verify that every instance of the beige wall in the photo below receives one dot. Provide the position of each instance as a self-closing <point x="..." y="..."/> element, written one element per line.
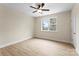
<point x="75" y="13"/>
<point x="14" y="25"/>
<point x="63" y="33"/>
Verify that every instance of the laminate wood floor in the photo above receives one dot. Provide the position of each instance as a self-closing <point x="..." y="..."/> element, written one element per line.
<point x="38" y="47"/>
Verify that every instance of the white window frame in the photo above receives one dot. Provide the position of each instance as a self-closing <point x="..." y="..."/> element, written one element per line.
<point x="49" y="24"/>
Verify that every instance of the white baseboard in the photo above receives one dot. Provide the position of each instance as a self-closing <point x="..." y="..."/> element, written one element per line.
<point x="11" y="43"/>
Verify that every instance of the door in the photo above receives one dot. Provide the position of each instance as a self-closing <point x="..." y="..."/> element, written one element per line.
<point x="74" y="30"/>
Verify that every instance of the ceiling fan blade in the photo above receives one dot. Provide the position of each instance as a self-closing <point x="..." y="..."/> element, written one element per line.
<point x="42" y="4"/>
<point x="45" y="9"/>
<point x="33" y="7"/>
<point x="34" y="11"/>
<point x="38" y="6"/>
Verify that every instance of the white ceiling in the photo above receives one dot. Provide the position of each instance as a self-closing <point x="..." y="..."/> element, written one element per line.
<point x="54" y="8"/>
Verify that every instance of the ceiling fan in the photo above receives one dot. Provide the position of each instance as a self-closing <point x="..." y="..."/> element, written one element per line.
<point x="39" y="7"/>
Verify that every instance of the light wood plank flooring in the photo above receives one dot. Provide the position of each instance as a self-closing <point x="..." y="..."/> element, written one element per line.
<point x="38" y="47"/>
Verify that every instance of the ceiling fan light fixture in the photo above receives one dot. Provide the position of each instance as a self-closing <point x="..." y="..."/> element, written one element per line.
<point x="39" y="11"/>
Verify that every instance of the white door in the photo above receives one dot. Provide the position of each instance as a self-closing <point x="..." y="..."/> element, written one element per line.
<point x="74" y="30"/>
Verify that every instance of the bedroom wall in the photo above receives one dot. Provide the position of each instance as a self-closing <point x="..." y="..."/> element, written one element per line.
<point x="63" y="32"/>
<point x="14" y="26"/>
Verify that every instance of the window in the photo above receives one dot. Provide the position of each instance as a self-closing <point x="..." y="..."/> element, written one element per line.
<point x="49" y="24"/>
